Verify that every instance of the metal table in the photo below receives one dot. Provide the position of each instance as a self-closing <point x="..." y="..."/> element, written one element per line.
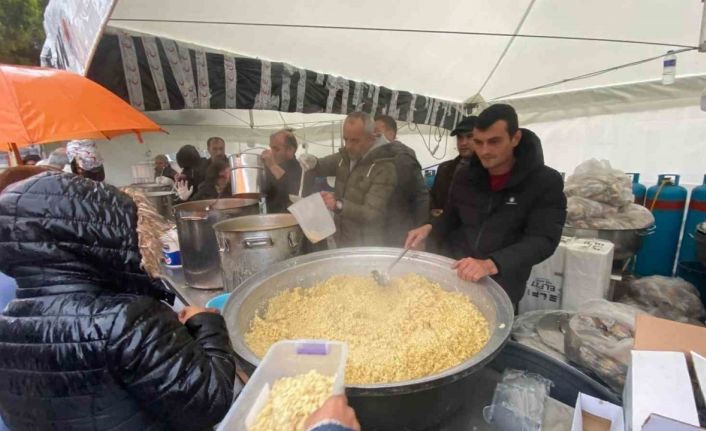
<point x="479" y="391"/>
<point x="173" y="279"/>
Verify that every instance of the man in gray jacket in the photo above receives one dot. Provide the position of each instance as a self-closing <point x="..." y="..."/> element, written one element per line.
<point x="409" y="206"/>
<point x="366" y="178"/>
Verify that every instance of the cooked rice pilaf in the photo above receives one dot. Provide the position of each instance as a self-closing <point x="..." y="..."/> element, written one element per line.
<point x="409" y="329"/>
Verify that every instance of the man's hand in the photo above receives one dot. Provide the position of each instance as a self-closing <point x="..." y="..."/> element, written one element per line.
<point x="416" y="238"/>
<point x="268" y="158"/>
<point x="190" y="311"/>
<point x="335" y="409"/>
<point x="471" y="269"/>
<point x="329" y="200"/>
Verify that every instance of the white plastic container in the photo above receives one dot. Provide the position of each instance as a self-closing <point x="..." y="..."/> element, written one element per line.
<point x="286" y="358"/>
<point x="313" y="217"/>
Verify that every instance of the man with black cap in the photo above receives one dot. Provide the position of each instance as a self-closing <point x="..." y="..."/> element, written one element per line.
<point x="506" y="209"/>
<point x="447" y="170"/>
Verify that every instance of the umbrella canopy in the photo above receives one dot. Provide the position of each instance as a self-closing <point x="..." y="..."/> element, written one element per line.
<point x="48" y="105"/>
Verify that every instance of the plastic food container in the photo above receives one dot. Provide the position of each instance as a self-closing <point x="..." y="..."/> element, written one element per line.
<point x="218" y="301"/>
<point x="286" y="358"/>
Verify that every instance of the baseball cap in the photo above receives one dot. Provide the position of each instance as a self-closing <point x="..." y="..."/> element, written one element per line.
<point x="465" y="125"/>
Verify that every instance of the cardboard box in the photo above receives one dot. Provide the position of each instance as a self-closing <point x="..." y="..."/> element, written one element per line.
<point x="658" y="394"/>
<point x="659" y="383"/>
<point x="587" y="270"/>
<point x="652" y="333"/>
<point x="592" y="414"/>
<point x="546" y="282"/>
<point x="660" y="423"/>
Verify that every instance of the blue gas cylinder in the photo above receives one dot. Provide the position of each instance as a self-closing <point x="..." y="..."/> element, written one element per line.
<point x="666" y="200"/>
<point x="695" y="216"/>
<point x="639" y="190"/>
<point x="429" y="176"/>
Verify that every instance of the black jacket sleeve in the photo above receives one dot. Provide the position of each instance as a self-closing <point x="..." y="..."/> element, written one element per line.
<point x="207" y="190"/>
<point x="410" y="179"/>
<point x="439" y="190"/>
<point x="182" y="374"/>
<point x="447" y="222"/>
<point x="542" y="231"/>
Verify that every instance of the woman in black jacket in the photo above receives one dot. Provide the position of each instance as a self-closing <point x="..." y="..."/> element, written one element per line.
<point x="217" y="182"/>
<point x="87" y="344"/>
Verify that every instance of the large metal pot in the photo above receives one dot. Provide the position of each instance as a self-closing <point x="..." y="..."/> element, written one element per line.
<point x="413" y="404"/>
<point x="250" y="244"/>
<point x="197" y="241"/>
<point x="247" y="175"/>
<point x="162" y="201"/>
<point x="626" y="242"/>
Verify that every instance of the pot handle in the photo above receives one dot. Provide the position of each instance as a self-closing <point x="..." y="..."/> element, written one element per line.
<point x="261" y="241"/>
<point x="223" y="245"/>
<point x="194" y="218"/>
<point x="292" y="238"/>
<point x="649" y="231"/>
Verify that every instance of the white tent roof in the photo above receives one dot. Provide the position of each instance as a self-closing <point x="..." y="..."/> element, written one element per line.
<point x="451" y="48"/>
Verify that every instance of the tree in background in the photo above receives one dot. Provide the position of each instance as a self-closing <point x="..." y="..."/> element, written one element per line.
<point x="21" y="31"/>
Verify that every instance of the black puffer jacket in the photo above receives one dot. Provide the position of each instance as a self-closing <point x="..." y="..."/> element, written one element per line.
<point x="517" y="227"/>
<point x="86" y="345"/>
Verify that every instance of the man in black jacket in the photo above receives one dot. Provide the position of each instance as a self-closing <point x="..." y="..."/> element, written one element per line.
<point x="506" y="211"/>
<point x="446" y="171"/>
<point x="409" y="205"/>
<point x="284" y="174"/>
<point x="87" y="344"/>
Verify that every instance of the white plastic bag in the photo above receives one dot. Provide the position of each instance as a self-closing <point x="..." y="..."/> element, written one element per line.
<point x="598" y="181"/>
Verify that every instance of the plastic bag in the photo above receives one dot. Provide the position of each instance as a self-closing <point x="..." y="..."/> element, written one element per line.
<point x="518" y="401"/>
<point x="666" y="297"/>
<point x="598" y="181"/>
<point x="579" y="208"/>
<point x="599" y="338"/>
<point x="631" y="216"/>
<point x="524" y="331"/>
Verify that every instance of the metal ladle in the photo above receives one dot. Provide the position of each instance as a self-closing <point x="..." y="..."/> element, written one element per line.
<point x="383" y="278"/>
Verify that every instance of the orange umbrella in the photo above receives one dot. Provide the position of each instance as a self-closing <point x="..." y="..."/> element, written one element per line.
<point x="42" y="105"/>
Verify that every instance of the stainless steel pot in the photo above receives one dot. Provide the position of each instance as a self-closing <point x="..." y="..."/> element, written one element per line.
<point x="250" y="244"/>
<point x="162" y="201"/>
<point x="411" y="404"/>
<point x="627" y="242"/>
<point x="197" y="240"/>
<point x="247" y="175"/>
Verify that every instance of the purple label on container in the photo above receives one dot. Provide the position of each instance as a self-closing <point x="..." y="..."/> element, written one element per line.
<point x="312" y="349"/>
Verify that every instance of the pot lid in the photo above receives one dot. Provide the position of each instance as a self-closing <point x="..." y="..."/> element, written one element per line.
<point x="254" y="223"/>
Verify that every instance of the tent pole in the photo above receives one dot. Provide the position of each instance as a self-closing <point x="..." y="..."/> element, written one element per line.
<point x="702" y="37"/>
<point x="16" y="153"/>
<point x="333" y="137"/>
